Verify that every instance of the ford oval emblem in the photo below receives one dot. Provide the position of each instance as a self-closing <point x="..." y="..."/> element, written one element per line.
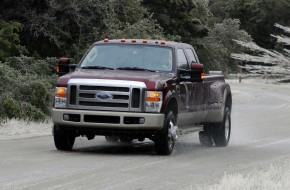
<point x="104" y="96"/>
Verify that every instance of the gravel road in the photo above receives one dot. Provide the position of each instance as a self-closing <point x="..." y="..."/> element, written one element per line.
<point x="260" y="134"/>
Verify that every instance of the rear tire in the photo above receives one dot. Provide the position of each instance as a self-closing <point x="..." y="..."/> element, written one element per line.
<point x="63" y="138"/>
<point x="222" y="132"/>
<point x="205" y="139"/>
<point x="164" y="142"/>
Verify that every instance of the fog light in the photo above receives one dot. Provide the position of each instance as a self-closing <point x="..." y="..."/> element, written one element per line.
<point x="142" y="120"/>
<point x="66" y="117"/>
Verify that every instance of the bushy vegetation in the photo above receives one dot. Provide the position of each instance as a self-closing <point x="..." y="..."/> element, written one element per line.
<point x="26" y="85"/>
<point x="215" y="49"/>
<point x="9" y="40"/>
<point x="257" y="17"/>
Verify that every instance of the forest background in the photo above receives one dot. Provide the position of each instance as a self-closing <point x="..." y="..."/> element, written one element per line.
<point x="34" y="33"/>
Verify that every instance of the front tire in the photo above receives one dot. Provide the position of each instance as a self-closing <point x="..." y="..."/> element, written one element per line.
<point x="164" y="142"/>
<point x="112" y="139"/>
<point x="222" y="133"/>
<point x="63" y="138"/>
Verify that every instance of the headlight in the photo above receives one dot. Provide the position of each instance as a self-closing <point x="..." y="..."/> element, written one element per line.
<point x="153" y="101"/>
<point x="60" y="97"/>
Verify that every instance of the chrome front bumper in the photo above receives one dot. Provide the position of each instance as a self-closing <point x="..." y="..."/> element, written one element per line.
<point x="152" y="120"/>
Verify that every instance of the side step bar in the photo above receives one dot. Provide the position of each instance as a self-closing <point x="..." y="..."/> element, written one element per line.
<point x="190" y="129"/>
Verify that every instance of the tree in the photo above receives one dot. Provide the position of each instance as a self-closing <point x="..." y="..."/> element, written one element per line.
<point x="128" y="19"/>
<point x="257" y="16"/>
<point x="26" y="85"/>
<point x="184" y="20"/>
<point x="67" y="28"/>
<point x="215" y="50"/>
<point x="9" y="40"/>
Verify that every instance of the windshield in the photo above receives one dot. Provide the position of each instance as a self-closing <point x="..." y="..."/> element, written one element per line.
<point x="129" y="57"/>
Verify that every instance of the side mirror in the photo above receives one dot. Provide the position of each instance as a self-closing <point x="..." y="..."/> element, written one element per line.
<point x="63" y="66"/>
<point x="195" y="74"/>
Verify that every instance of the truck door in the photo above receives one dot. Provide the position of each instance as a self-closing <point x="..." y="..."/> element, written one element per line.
<point x="185" y="89"/>
<point x="196" y="99"/>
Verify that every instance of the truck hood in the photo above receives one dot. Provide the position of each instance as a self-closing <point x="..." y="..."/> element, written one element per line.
<point x="153" y="81"/>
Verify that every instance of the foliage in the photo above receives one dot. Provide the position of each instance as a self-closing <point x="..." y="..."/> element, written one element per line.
<point x="226" y="31"/>
<point x="50" y="27"/>
<point x="128" y="19"/>
<point x="30" y="65"/>
<point x="184" y="19"/>
<point x="257" y="16"/>
<point x="67" y="28"/>
<point x="9" y="40"/>
<point x="215" y="49"/>
<point x="26" y="85"/>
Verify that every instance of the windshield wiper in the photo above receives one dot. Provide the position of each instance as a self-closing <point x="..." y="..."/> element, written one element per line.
<point x="96" y="67"/>
<point x="135" y="69"/>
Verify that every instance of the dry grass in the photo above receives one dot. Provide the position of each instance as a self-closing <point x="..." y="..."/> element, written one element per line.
<point x="15" y="129"/>
<point x="267" y="177"/>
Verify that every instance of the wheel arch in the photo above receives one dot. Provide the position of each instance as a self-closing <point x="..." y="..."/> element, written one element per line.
<point x="228" y="101"/>
<point x="227" y="96"/>
<point x="172" y="105"/>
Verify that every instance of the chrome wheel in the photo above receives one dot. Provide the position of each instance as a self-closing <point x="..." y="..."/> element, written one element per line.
<point x="222" y="132"/>
<point x="166" y="137"/>
<point x="169" y="135"/>
<point x="172" y="134"/>
<point x="227" y="127"/>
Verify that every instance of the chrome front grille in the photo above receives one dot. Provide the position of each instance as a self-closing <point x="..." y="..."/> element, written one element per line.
<point x="113" y="95"/>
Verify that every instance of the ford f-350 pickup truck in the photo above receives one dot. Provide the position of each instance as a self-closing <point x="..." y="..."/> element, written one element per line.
<point x="136" y="89"/>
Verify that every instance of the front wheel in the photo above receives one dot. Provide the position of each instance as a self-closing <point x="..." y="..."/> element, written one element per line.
<point x="63" y="138"/>
<point x="222" y="133"/>
<point x="164" y="139"/>
<point x="112" y="139"/>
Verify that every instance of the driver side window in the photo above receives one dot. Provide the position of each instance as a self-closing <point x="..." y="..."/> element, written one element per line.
<point x="181" y="59"/>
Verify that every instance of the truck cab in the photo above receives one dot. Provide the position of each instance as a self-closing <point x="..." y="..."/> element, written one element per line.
<point x="135" y="89"/>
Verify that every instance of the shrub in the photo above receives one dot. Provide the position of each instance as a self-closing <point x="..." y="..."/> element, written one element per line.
<point x="26" y="85"/>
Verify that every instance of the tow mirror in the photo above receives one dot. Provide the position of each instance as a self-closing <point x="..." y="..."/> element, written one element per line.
<point x="63" y="66"/>
<point x="195" y="74"/>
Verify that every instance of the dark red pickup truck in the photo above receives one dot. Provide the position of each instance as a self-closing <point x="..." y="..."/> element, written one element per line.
<point x="136" y="89"/>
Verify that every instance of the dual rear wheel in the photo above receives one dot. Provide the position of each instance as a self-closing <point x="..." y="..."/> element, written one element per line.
<point x="218" y="134"/>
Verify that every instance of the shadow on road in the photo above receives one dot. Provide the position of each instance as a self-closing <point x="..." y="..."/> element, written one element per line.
<point x="145" y="148"/>
<point x="136" y="148"/>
